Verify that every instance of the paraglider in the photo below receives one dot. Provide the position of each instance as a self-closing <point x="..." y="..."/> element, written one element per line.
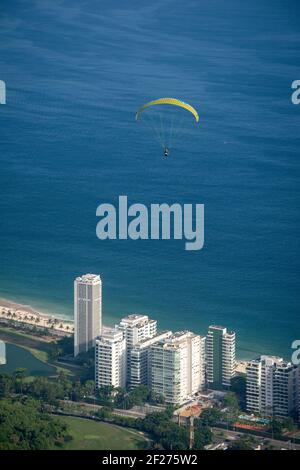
<point x="166" y="122"/>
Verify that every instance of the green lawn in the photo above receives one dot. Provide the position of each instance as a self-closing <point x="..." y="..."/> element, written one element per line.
<point x="24" y="339"/>
<point x="94" y="435"/>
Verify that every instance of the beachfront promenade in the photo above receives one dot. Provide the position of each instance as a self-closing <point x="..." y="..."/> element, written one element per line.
<point x="26" y="315"/>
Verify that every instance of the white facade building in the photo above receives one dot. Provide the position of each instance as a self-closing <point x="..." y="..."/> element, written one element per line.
<point x="87" y="311"/>
<point x="140" y="360"/>
<point x="110" y="358"/>
<point x="136" y="328"/>
<point x="178" y="366"/>
<point x="220" y="356"/>
<point x="272" y="387"/>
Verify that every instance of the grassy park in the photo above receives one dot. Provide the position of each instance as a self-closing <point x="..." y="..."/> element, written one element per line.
<point x="94" y="435"/>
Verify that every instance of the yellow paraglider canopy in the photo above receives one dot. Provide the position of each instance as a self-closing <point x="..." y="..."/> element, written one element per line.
<point x="172" y="101"/>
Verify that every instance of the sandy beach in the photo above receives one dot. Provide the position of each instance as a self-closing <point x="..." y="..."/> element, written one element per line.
<point x="17" y="312"/>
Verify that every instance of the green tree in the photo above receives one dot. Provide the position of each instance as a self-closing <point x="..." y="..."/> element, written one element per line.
<point x="25" y="426"/>
<point x="105" y="395"/>
<point x="210" y="417"/>
<point x="238" y="386"/>
<point x="78" y="392"/>
<point x="231" y="402"/>
<point x="89" y="388"/>
<point x="65" y="346"/>
<point x="156" y="398"/>
<point x="173" y="437"/>
<point x="139" y="395"/>
<point x="243" y="443"/>
<point x="276" y="428"/>
<point x="6" y="385"/>
<point x="104" y="413"/>
<point x="48" y="391"/>
<point x="19" y="376"/>
<point x="289" y="424"/>
<point x="203" y="437"/>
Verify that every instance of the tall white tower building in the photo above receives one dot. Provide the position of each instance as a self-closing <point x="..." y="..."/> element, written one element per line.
<point x="220" y="356"/>
<point x="178" y="366"/>
<point x="110" y="358"/>
<point x="87" y="311"/>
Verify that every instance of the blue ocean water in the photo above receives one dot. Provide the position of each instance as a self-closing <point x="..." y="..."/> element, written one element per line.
<point x="76" y="71"/>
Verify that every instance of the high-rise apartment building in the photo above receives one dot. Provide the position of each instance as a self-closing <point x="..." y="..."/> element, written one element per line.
<point x="110" y="358"/>
<point x="272" y="387"/>
<point x="178" y="366"/>
<point x="136" y="328"/>
<point x="220" y="356"/>
<point x="87" y="311"/>
<point x="140" y="360"/>
<point x="260" y="384"/>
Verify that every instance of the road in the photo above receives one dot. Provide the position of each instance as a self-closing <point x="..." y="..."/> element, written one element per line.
<point x="117" y="411"/>
<point x="274" y="442"/>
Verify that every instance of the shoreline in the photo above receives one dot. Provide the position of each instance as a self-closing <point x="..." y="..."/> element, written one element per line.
<point x="17" y="312"/>
<point x="29" y="315"/>
<point x="14" y="311"/>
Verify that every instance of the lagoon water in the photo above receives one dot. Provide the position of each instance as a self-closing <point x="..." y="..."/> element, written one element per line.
<point x="75" y="73"/>
<point x="17" y="357"/>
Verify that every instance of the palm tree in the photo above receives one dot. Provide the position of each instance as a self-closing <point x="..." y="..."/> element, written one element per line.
<point x="19" y="375"/>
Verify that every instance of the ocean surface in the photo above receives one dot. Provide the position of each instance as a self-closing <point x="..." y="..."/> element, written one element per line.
<point x="76" y="71"/>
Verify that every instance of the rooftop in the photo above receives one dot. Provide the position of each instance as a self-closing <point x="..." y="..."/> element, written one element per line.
<point x="136" y="319"/>
<point x="149" y="341"/>
<point x="176" y="339"/>
<point x="223" y="329"/>
<point x="89" y="278"/>
<point x="110" y="334"/>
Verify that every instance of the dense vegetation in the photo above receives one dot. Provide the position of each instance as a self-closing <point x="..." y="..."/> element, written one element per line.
<point x="164" y="432"/>
<point x="238" y="386"/>
<point x="37" y="396"/>
<point x="120" y="398"/>
<point x="43" y="388"/>
<point x="54" y="393"/>
<point x="25" y="425"/>
<point x="63" y="388"/>
<point x="169" y="435"/>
